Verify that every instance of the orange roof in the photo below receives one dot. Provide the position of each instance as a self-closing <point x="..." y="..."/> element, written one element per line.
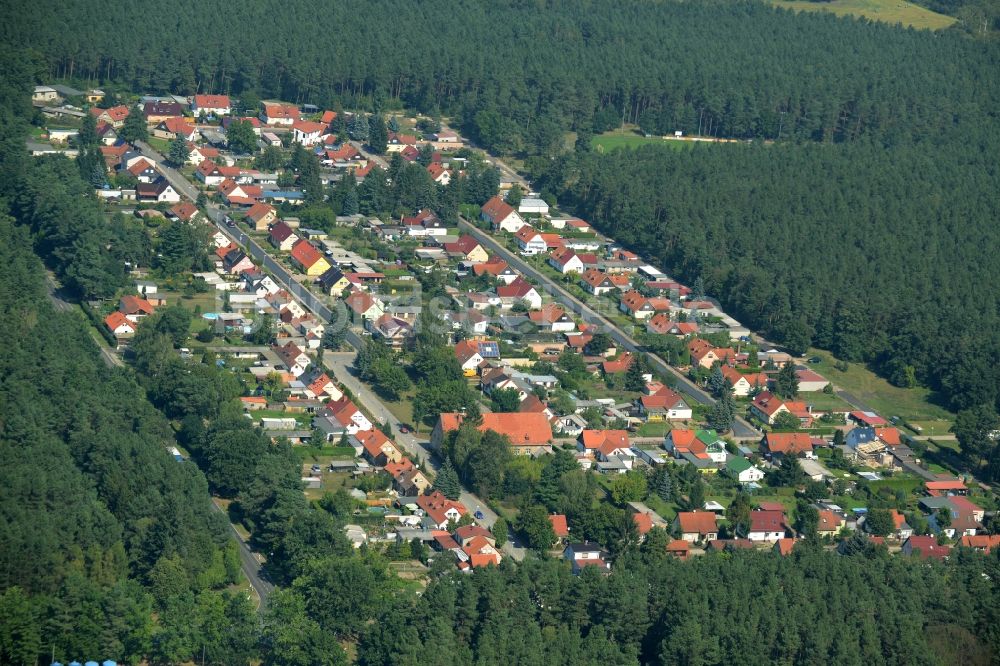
<point x="633" y="300"/>
<point x="211" y="101"/>
<point x="308" y="126"/>
<point x="497" y="209"/>
<point x="605" y="441"/>
<point x="984" y="542"/>
<point x="898" y="519"/>
<point x="784" y="546"/>
<point x="396" y="468"/>
<point x="185" y="210"/>
<point x="254" y="399"/>
<point x="643" y="522"/>
<point x="304" y="253"/>
<point x="259" y="211"/>
<point x="135" y="305"/>
<point x="829" y="521"/>
<point x="522" y="428"/>
<point x="684" y="439"/>
<point x="788" y="442"/>
<point x="678" y="546"/>
<point x="116" y="319"/>
<point x="281" y="111"/>
<point x="888" y="435"/>
<point x="697" y="522"/>
<point x="732" y="376"/>
<point x="526" y="234"/>
<point x="559" y="525"/>
<point x="494" y="267"/>
<point x="954" y="484"/>
<point x="620" y="364"/>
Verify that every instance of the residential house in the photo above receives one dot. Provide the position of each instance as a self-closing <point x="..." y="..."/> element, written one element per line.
<point x="260" y="216"/>
<point x="439" y="510"/>
<point x="663" y="405"/>
<point x="925" y="547"/>
<point x="766" y="407"/>
<point x="468" y="249"/>
<point x="744" y="471"/>
<point x="321" y="387"/>
<point x="636" y="305"/>
<point x="867" y="449"/>
<point x="143" y="171"/>
<point x="282" y="237"/>
<point x="767" y="526"/>
<point x="830" y="523"/>
<point x="598" y="282"/>
<point x="552" y="318"/>
<point x="292" y="357"/>
<point x="744" y="384"/>
<point x="696" y="445"/>
<point x="867" y="419"/>
<point x="160" y="191"/>
<point x="943" y="488"/>
<point x="235" y="261"/>
<point x="171" y="128"/>
<point x="617" y="365"/>
<point x="695" y="526"/>
<point x="279" y="114"/>
<point x="157" y="112"/>
<point x="392" y="330"/>
<point x="439" y="174"/>
<point x="366" y="309"/>
<point x="586" y="554"/>
<point x="184" y="212"/>
<point x="469" y="358"/>
<point x="497" y="268"/>
<point x="217" y="105"/>
<point x="501" y="216"/>
<point x="529" y="433"/>
<point x="777" y="444"/>
<point x="984" y="543"/>
<point x="120" y="326"/>
<point x="308" y="259"/>
<point x="571" y="424"/>
<point x="348" y="414"/>
<point x="706" y="354"/>
<point x="377" y="449"/>
<point x="519" y="291"/>
<point x="411" y="482"/>
<point x="529" y="241"/>
<point x="334" y="282"/>
<point x="115" y="116"/>
<point x="565" y="261"/>
<point x="603" y="444"/>
<point x="307" y="132"/>
<point x="559" y="526"/>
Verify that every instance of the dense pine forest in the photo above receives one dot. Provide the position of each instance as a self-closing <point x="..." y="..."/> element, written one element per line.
<point x="867" y="227"/>
<point x="519" y="74"/>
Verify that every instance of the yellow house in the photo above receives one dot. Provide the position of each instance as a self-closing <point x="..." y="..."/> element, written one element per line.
<point x="334" y="282"/>
<point x="308" y="259"/>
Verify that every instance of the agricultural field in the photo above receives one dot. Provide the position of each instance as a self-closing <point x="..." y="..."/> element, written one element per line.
<point x="887" y="11"/>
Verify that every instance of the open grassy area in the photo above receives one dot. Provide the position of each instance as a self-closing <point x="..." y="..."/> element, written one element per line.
<point x="887" y="11"/>
<point x="911" y="404"/>
<point x="616" y="139"/>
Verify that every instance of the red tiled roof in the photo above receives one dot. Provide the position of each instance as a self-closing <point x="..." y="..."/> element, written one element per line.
<point x="497" y="209"/>
<point x="605" y="441"/>
<point x="522" y="429"/>
<point x="767" y="521"/>
<point x="135" y="305"/>
<point x="304" y="253"/>
<point x="620" y="364"/>
<point x="559" y="525"/>
<point x="211" y="101"/>
<point x="116" y="319"/>
<point x="643" y="522"/>
<point x="697" y="522"/>
<point x="519" y="288"/>
<point x="784" y="546"/>
<point x="788" y="442"/>
<point x="281" y="111"/>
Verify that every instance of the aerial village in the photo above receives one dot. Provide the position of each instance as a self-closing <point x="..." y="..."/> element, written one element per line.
<point x="587" y="362"/>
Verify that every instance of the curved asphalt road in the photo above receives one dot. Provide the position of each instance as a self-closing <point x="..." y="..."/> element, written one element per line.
<point x="741" y="428"/>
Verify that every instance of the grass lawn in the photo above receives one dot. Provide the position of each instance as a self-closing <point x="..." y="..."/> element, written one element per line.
<point x="888" y="11"/>
<point x="824" y="402"/>
<point x="654" y="429"/>
<point x="616" y="139"/>
<point x="911" y="404"/>
<point x="161" y="146"/>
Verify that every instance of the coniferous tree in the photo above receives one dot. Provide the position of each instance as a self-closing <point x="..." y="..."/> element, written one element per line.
<point x="786" y="384"/>
<point x="378" y="135"/>
<point x="447" y="481"/>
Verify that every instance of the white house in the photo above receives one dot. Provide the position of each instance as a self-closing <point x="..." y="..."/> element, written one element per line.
<point x="767" y="526"/>
<point x="211" y="104"/>
<point x="529" y="241"/>
<point x="307" y="132"/>
<point x="501" y="215"/>
<point x="565" y="261"/>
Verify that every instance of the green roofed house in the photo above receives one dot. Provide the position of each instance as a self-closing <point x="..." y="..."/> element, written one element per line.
<point x="743" y="470"/>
